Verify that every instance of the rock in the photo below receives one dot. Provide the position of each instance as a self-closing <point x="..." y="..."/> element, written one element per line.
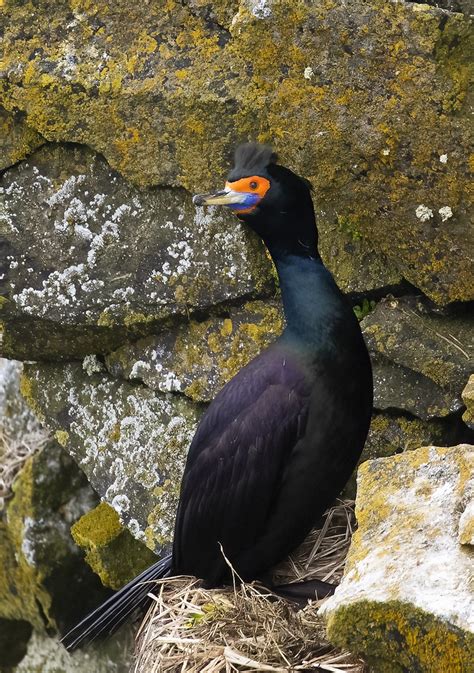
<point x="14" y="637"/>
<point x="90" y="259"/>
<point x="16" y="418"/>
<point x="164" y="93"/>
<point x="198" y="358"/>
<point x="466" y="523"/>
<point x="20" y="432"/>
<point x="390" y="434"/>
<point x="47" y="655"/>
<point x="130" y="441"/>
<point x="468" y="399"/>
<point x="44" y="579"/>
<point x="111" y="550"/>
<point x="17" y="140"/>
<point x="406" y="600"/>
<point x="421" y="359"/>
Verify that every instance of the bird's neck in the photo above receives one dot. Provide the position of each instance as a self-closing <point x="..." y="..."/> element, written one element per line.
<point x="312" y="301"/>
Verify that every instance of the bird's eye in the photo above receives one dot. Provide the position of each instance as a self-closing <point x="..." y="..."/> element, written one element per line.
<point x="253" y="185"/>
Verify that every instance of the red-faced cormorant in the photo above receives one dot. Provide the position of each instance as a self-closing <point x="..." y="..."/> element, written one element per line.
<point x="281" y="439"/>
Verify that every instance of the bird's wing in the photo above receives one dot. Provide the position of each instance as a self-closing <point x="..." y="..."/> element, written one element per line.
<point x="237" y="460"/>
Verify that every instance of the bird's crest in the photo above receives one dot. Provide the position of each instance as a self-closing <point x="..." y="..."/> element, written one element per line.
<point x="252" y="156"/>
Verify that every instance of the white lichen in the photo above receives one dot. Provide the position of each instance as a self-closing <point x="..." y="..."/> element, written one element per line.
<point x="92" y="365"/>
<point x="423" y="213"/>
<point x="260" y="8"/>
<point x="445" y="213"/>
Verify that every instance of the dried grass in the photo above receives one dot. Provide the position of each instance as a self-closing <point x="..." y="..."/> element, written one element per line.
<point x="14" y="451"/>
<point x="189" y="629"/>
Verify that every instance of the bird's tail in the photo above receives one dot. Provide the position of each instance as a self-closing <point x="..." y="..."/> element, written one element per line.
<point x="111" y="614"/>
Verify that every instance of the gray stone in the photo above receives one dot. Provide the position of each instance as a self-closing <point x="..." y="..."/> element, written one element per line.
<point x="421" y="359"/>
<point x="406" y="601"/>
<point x="38" y="556"/>
<point x="198" y="358"/>
<point x="165" y="92"/>
<point x="130" y="441"/>
<point x="20" y="432"/>
<point x="90" y="259"/>
<point x="47" y="655"/>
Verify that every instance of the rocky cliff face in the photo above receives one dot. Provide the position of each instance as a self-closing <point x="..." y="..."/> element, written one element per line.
<point x="132" y="307"/>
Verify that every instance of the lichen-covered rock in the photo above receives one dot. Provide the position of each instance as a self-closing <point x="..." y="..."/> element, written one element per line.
<point x="367" y="99"/>
<point x="468" y="399"/>
<point x="406" y="601"/>
<point x="130" y="441"/>
<point x="466" y="522"/>
<point x="37" y="554"/>
<point x="111" y="550"/>
<point x="390" y="433"/>
<point x="20" y="432"/>
<point x="47" y="655"/>
<point x="198" y="358"/>
<point x="89" y="258"/>
<point x="16" y="418"/>
<point x="421" y="359"/>
<point x="17" y="140"/>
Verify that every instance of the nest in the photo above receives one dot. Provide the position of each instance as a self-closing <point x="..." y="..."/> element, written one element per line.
<point x="245" y="628"/>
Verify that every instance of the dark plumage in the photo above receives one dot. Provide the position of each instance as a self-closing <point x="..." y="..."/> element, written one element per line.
<point x="280" y="440"/>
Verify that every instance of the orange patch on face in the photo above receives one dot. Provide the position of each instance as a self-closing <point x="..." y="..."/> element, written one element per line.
<point x="253" y="185"/>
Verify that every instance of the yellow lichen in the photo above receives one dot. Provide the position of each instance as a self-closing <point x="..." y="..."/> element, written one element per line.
<point x="62" y="436"/>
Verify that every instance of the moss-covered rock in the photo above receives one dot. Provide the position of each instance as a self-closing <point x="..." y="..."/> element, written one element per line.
<point x="90" y="259"/>
<point x="130" y="441"/>
<point x="406" y="600"/>
<point x="468" y="399"/>
<point x="198" y="358"/>
<point x="367" y="99"/>
<point x="111" y="550"/>
<point x="17" y="140"/>
<point x="421" y="358"/>
<point x="44" y="579"/>
<point x="392" y="433"/>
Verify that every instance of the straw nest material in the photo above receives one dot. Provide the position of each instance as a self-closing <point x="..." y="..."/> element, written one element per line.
<point x="14" y="452"/>
<point x="245" y="628"/>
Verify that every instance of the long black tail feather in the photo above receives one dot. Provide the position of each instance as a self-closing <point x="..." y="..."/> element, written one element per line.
<point x="115" y="611"/>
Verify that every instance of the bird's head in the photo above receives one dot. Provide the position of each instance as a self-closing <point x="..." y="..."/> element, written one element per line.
<point x="271" y="199"/>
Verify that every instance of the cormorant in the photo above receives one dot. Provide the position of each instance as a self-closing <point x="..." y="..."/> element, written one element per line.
<point x="281" y="439"/>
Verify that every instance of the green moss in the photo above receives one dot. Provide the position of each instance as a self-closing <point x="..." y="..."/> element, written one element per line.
<point x="17" y="139"/>
<point x="22" y="594"/>
<point x="98" y="527"/>
<point x="62" y="436"/>
<point x="396" y="638"/>
<point x="27" y="389"/>
<point x="135" y="318"/>
<point x="111" y="550"/>
<point x="364" y="308"/>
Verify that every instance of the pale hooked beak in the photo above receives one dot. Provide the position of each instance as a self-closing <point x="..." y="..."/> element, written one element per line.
<point x="225" y="197"/>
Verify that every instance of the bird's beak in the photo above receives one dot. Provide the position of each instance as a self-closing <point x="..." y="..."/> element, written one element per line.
<point x="225" y="197"/>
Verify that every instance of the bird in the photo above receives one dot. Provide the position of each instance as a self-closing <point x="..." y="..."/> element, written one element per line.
<point x="280" y="440"/>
